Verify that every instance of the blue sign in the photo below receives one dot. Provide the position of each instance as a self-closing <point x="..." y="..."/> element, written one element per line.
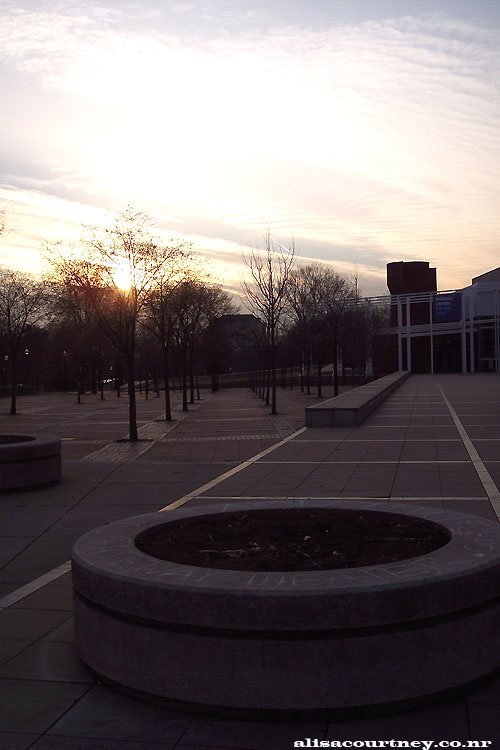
<point x="447" y="308"/>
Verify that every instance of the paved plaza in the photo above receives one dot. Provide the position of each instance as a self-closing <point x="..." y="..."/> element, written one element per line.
<point x="435" y="441"/>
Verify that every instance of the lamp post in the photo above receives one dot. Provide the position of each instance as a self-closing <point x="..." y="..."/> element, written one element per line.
<point x="64" y="354"/>
<point x="6" y="373"/>
<point x="26" y="366"/>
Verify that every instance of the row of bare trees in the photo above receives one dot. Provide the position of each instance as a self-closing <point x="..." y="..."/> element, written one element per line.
<point x="309" y="308"/>
<point x="125" y="289"/>
<point x="124" y="292"/>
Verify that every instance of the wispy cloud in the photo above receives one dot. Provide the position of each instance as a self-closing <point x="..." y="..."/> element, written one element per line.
<point x="376" y="139"/>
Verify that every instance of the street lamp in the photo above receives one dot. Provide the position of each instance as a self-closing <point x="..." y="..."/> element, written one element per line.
<point x="6" y="374"/>
<point x="65" y="354"/>
<point x="26" y="369"/>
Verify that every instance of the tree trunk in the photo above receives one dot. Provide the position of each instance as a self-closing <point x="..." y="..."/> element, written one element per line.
<point x="184" y="380"/>
<point x="79" y="385"/>
<point x="191" y="386"/>
<point x="132" y="406"/>
<point x="335" y="370"/>
<point x="13" y="385"/>
<point x="273" y="375"/>
<point x="168" y="409"/>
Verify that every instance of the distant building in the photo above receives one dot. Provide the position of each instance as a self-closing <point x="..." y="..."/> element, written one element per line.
<point x="431" y="331"/>
<point x="237" y="337"/>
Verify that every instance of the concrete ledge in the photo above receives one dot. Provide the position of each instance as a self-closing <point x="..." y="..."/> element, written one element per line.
<point x="27" y="461"/>
<point x="330" y="640"/>
<point x="352" y="408"/>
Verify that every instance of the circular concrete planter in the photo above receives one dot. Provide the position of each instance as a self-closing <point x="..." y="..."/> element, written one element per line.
<point x="313" y="642"/>
<point x="27" y="461"/>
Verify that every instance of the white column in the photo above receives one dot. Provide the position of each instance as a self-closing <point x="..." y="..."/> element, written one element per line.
<point x="463" y="336"/>
<point x="471" y="332"/>
<point x="497" y="337"/>
<point x="431" y="342"/>
<point x="400" y="343"/>
<point x="408" y="334"/>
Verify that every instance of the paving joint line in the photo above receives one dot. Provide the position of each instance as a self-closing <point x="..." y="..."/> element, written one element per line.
<point x="30" y="588"/>
<point x="214" y="482"/>
<point x="387" y="498"/>
<point x="484" y="476"/>
<point x="131" y="451"/>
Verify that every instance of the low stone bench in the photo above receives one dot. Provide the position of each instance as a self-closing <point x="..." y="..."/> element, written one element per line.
<point x="28" y="461"/>
<point x="352" y="408"/>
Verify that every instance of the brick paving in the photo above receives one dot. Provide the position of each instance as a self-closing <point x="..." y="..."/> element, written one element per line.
<point x="410" y="450"/>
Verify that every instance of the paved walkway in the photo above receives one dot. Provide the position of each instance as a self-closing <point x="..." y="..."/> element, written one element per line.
<point x="435" y="441"/>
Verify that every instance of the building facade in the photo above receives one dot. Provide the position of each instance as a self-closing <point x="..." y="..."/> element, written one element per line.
<point x="431" y="331"/>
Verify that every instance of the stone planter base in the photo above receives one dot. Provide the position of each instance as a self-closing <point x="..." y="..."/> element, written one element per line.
<point x="27" y="461"/>
<point x="307" y="642"/>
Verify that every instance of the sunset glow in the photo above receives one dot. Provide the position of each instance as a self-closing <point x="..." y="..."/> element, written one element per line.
<point x="122" y="277"/>
<point x="366" y="130"/>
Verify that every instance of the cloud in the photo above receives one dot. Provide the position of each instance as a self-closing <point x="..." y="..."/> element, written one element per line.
<point x="372" y="140"/>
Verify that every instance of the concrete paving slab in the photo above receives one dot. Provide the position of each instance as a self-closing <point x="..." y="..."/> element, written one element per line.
<point x="23" y="704"/>
<point x="51" y="597"/>
<point x="44" y="554"/>
<point x="79" y="743"/>
<point x="79" y="520"/>
<point x="484" y="723"/>
<point x="16" y="741"/>
<point x="212" y="733"/>
<point x="9" y="647"/>
<point x="489" y="693"/>
<point x="489" y="450"/>
<point x="48" y="660"/>
<point x="29" y="624"/>
<point x="147" y="473"/>
<point x="314" y="451"/>
<point x="10" y="546"/>
<point x="63" y="633"/>
<point x="446" y="722"/>
<point x="489" y="433"/>
<point x="7" y="587"/>
<point x="31" y="520"/>
<point x="124" y="719"/>
<point x="419" y="401"/>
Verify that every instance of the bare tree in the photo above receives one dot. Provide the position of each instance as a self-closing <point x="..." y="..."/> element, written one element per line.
<point x="336" y="294"/>
<point x="304" y="306"/>
<point x="270" y="269"/>
<point x="23" y="307"/>
<point x="196" y="303"/>
<point x="159" y="319"/>
<point x="318" y="297"/>
<point x="85" y="344"/>
<point x="117" y="277"/>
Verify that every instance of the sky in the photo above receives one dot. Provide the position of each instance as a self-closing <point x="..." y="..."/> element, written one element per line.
<point x="366" y="130"/>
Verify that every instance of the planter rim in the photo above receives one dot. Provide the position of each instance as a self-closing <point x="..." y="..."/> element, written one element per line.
<point x="30" y="447"/>
<point x="111" y="572"/>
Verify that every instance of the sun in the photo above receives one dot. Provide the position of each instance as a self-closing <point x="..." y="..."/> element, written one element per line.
<point x="122" y="277"/>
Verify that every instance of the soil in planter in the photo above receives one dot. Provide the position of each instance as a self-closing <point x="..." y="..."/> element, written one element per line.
<point x="293" y="540"/>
